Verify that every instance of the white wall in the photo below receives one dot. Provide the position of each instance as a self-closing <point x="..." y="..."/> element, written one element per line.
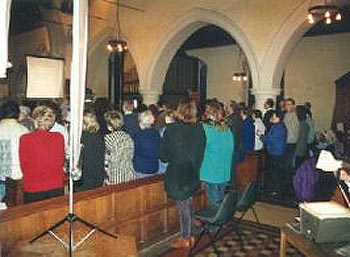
<point x="222" y="63"/>
<point x="312" y="69"/>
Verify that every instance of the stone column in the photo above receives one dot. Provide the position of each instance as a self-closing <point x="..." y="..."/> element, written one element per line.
<point x="261" y="94"/>
<point x="150" y="96"/>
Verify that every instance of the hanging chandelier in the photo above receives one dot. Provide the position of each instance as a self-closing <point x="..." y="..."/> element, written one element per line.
<point x="117" y="45"/>
<point x="242" y="75"/>
<point x="327" y="12"/>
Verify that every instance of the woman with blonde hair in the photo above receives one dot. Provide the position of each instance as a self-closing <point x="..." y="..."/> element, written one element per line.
<point x="42" y="158"/>
<point x="146" y="142"/>
<point x="182" y="148"/>
<point x="92" y="154"/>
<point x="119" y="151"/>
<point x="216" y="166"/>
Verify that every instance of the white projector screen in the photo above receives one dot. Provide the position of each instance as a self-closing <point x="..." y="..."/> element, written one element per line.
<point x="45" y="77"/>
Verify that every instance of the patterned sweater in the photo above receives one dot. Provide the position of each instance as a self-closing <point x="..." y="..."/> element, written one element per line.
<point x="118" y="158"/>
<point x="10" y="132"/>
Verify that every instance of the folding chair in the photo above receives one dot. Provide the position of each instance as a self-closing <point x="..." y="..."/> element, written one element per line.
<point x="217" y="218"/>
<point x="247" y="200"/>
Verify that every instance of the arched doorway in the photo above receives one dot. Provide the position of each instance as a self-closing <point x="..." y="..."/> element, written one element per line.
<point x="203" y="67"/>
<point x="172" y="40"/>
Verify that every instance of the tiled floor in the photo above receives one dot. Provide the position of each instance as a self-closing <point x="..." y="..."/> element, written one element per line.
<point x="267" y="213"/>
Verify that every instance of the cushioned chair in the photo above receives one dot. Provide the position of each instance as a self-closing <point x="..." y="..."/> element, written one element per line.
<point x="246" y="200"/>
<point x="216" y="218"/>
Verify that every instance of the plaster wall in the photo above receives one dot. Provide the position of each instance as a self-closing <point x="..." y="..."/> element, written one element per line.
<point x="146" y="31"/>
<point x="311" y="71"/>
<point x="222" y="63"/>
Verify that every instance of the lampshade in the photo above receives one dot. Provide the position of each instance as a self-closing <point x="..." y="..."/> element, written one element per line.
<point x="327" y="162"/>
<point x="45" y="77"/>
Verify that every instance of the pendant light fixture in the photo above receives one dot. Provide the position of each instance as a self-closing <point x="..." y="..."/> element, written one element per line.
<point x="327" y="12"/>
<point x="241" y="76"/>
<point x="118" y="44"/>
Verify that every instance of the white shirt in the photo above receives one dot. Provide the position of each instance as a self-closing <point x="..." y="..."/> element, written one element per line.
<point x="10" y="133"/>
<point x="64" y="132"/>
<point x="259" y="130"/>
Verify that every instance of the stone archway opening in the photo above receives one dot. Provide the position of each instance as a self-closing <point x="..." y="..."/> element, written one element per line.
<point x="301" y="61"/>
<point x="203" y="67"/>
<point x="173" y="39"/>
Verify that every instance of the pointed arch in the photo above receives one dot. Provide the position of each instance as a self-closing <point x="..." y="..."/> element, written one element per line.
<point x="175" y="36"/>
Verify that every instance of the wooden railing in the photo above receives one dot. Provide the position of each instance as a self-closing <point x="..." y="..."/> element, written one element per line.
<point x="139" y="208"/>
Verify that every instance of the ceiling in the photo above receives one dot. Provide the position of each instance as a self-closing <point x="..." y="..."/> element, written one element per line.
<point x="26" y="16"/>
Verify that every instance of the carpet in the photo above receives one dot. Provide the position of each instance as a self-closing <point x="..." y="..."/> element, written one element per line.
<point x="259" y="241"/>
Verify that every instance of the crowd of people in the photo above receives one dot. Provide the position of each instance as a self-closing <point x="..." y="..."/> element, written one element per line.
<point x="188" y="145"/>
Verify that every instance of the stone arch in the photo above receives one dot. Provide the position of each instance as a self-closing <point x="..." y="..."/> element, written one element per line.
<point x="282" y="45"/>
<point x="181" y="29"/>
<point x="97" y="43"/>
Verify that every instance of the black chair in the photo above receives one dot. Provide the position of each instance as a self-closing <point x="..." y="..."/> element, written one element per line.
<point x="216" y="218"/>
<point x="246" y="201"/>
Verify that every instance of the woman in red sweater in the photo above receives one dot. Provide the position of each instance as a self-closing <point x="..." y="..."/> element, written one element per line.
<point x="42" y="156"/>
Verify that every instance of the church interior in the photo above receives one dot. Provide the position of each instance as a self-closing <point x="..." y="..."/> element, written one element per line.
<point x="180" y="74"/>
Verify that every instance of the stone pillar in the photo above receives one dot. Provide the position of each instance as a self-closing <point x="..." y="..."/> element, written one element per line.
<point x="261" y="94"/>
<point x="150" y="96"/>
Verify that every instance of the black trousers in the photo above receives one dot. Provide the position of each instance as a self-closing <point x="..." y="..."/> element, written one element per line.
<point x="41" y="195"/>
<point x="276" y="173"/>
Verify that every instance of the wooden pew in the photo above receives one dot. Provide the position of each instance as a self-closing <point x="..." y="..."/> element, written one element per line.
<point x="139" y="209"/>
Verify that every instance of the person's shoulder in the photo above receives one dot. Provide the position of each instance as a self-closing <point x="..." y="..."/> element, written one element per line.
<point x="27" y="136"/>
<point x="56" y="135"/>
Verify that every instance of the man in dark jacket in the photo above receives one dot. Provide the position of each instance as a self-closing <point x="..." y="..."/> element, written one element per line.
<point x="268" y="106"/>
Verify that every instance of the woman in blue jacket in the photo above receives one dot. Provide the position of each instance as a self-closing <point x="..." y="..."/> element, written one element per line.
<point x="275" y="144"/>
<point x="216" y="166"/>
<point x="146" y="143"/>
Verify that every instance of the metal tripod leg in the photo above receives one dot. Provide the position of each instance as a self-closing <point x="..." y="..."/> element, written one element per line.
<point x="59" y="223"/>
<point x="92" y="226"/>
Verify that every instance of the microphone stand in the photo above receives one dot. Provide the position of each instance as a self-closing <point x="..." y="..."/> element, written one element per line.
<point x="70" y="218"/>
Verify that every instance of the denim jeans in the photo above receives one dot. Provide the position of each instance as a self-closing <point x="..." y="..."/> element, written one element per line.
<point x="2" y="190"/>
<point x="185" y="210"/>
<point x="215" y="193"/>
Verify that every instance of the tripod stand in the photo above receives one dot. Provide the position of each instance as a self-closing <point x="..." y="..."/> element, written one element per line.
<point x="71" y="218"/>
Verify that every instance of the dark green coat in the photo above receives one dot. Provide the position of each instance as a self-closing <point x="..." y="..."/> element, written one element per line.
<point x="182" y="147"/>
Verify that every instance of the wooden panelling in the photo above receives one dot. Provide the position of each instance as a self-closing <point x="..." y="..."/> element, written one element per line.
<point x="247" y="170"/>
<point x="173" y="219"/>
<point x="139" y="209"/>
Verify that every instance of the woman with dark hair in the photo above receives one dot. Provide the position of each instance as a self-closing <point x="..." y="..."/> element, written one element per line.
<point x="311" y="138"/>
<point x="248" y="134"/>
<point x="119" y="150"/>
<point x="182" y="147"/>
<point x="42" y="156"/>
<point x="301" y="149"/>
<point x="216" y="166"/>
<point x="275" y="143"/>
<point x="10" y="133"/>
